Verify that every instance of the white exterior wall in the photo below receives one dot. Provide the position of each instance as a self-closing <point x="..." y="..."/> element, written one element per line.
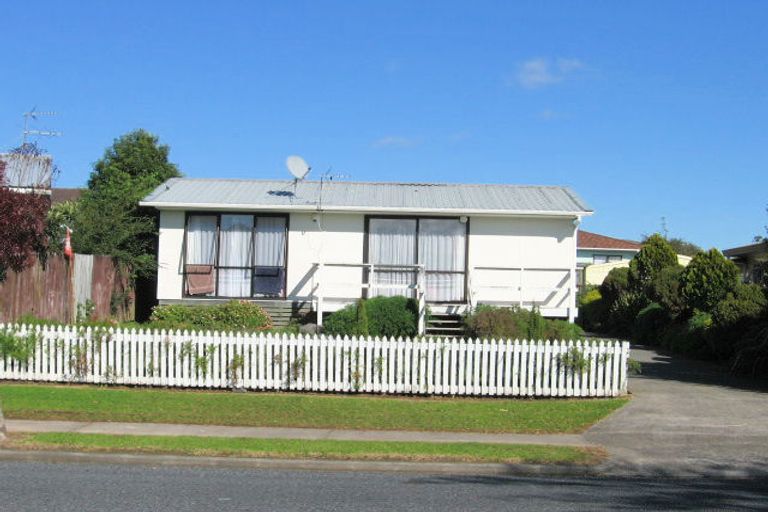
<point x="545" y="248"/>
<point x="169" y="256"/>
<point x="328" y="238"/>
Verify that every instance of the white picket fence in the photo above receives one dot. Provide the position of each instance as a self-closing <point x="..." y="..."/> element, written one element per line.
<point x="424" y="366"/>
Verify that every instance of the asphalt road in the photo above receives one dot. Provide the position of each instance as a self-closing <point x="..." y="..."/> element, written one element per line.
<point x="36" y="486"/>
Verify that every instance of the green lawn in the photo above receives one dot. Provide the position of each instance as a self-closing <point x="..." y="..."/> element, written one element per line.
<point x="92" y="403"/>
<point x="293" y="448"/>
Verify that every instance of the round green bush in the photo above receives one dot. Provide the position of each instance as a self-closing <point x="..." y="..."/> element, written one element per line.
<point x="614" y="285"/>
<point x="392" y="316"/>
<point x="707" y="280"/>
<point x="380" y="316"/>
<point x="746" y="302"/>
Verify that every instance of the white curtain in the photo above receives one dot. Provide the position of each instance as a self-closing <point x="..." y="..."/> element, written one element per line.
<point x="392" y="242"/>
<point x="442" y="247"/>
<point x="201" y="240"/>
<point x="236" y="251"/>
<point x="269" y="278"/>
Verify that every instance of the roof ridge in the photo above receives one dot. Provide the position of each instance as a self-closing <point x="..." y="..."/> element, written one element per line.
<point x="389" y="183"/>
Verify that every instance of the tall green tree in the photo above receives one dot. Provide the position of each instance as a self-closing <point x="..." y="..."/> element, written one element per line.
<point x="655" y="255"/>
<point x="108" y="219"/>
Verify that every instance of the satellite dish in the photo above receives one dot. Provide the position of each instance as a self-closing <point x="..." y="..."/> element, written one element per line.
<point x="298" y="167"/>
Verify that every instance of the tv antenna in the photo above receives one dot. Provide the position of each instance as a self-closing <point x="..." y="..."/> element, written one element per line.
<point x="34" y="115"/>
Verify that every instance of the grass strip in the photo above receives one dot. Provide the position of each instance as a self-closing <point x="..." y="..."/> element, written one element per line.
<point x="311" y="449"/>
<point x="93" y="403"/>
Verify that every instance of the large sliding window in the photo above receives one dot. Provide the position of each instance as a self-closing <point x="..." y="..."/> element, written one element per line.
<point x="440" y="244"/>
<point x="235" y="255"/>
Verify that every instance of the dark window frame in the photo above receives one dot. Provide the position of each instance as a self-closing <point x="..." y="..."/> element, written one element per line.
<point x="252" y="267"/>
<point x="418" y="218"/>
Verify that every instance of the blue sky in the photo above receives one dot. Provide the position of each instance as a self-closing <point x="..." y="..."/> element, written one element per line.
<point x="647" y="110"/>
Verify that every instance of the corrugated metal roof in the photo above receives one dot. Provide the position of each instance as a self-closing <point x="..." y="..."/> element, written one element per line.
<point x="27" y="171"/>
<point x="189" y="193"/>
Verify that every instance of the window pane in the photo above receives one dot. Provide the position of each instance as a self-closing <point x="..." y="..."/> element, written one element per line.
<point x="599" y="258"/>
<point x="200" y="276"/>
<point x="236" y="241"/>
<point x="236" y="238"/>
<point x="392" y="242"/>
<point x="201" y="240"/>
<point x="234" y="282"/>
<point x="442" y="244"/>
<point x="445" y="287"/>
<point x="270" y="241"/>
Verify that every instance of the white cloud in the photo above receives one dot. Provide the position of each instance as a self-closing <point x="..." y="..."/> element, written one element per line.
<point x="395" y="141"/>
<point x="541" y="72"/>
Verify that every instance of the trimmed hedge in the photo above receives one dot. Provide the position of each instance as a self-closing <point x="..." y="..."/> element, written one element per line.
<point x="235" y="315"/>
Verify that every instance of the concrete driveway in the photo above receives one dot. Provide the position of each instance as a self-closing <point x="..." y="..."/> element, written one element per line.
<point x="687" y="416"/>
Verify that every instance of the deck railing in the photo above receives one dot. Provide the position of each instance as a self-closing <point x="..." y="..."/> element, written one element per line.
<point x="369" y="283"/>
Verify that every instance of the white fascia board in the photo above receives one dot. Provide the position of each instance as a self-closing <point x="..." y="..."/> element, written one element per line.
<point x="358" y="209"/>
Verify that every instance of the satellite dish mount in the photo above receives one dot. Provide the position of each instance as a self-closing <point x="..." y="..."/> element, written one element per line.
<point x="298" y="167"/>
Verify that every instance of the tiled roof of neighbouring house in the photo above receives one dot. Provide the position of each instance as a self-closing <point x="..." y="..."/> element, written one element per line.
<point x="587" y="240"/>
<point x="190" y="193"/>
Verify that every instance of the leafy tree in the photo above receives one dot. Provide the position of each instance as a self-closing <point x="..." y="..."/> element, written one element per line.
<point x="109" y="219"/>
<point x="707" y="280"/>
<point x="684" y="247"/>
<point x="655" y="255"/>
<point x="22" y="228"/>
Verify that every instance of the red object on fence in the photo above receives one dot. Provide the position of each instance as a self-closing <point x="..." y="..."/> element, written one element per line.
<point x="68" y="244"/>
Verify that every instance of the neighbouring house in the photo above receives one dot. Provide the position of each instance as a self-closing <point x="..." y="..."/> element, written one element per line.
<point x="318" y="246"/>
<point x="751" y="259"/>
<point x="597" y="255"/>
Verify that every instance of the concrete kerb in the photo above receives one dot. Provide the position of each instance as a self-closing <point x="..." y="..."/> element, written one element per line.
<point x="2" y="423"/>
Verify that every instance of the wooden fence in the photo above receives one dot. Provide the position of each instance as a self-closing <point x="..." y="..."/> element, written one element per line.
<point x="55" y="290"/>
<point x="425" y="366"/>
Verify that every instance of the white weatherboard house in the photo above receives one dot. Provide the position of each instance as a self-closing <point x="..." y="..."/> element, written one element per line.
<point x="323" y="245"/>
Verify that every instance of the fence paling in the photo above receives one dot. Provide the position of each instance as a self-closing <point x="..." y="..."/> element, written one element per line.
<point x="319" y="363"/>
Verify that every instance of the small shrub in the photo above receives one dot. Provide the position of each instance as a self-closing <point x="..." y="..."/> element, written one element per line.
<point x="634" y="367"/>
<point x="746" y="302"/>
<point x="344" y="322"/>
<point x="392" y="316"/>
<point x="563" y="330"/>
<point x="622" y="313"/>
<point x="615" y="284"/>
<point x="650" y="324"/>
<point x="380" y="316"/>
<point x="592" y="310"/>
<point x="494" y="323"/>
<point x="17" y="347"/>
<point x="233" y="316"/>
<point x="489" y="322"/>
<point x="707" y="280"/>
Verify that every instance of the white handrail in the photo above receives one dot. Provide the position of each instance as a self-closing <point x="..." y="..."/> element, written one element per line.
<point x="418" y="287"/>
